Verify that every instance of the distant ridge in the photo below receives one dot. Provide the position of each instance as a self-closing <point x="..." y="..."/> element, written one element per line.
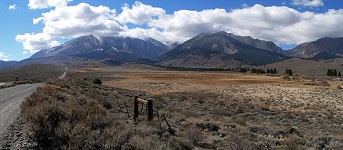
<point x="324" y="48"/>
<point x="222" y="49"/>
<point x="7" y="64"/>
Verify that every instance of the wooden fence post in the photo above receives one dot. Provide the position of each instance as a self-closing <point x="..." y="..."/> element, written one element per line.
<point x="135" y="109"/>
<point x="148" y="105"/>
<point x="150" y="110"/>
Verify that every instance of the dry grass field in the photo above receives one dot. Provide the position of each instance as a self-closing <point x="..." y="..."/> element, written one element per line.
<point x="206" y="110"/>
<point x="159" y="82"/>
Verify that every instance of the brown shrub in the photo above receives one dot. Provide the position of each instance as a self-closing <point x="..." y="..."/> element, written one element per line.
<point x="61" y="115"/>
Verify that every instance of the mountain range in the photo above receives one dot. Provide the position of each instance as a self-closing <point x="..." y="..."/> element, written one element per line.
<point x="219" y="49"/>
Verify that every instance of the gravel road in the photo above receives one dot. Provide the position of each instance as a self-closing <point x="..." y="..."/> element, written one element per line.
<point x="10" y="100"/>
<point x="64" y="74"/>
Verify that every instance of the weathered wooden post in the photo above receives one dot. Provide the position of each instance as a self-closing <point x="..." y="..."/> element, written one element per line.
<point x="147" y="103"/>
<point x="135" y="109"/>
<point x="150" y="110"/>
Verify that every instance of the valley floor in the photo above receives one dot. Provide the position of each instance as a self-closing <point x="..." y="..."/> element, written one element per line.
<point x="206" y="110"/>
<point x="263" y="105"/>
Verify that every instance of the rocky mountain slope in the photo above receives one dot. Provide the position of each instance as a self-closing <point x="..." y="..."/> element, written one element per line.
<point x="222" y="49"/>
<point x="122" y="48"/>
<point x="324" y="48"/>
<point x="307" y="66"/>
<point x="261" y="44"/>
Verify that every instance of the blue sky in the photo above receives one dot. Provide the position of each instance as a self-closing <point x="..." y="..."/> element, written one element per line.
<point x="30" y="25"/>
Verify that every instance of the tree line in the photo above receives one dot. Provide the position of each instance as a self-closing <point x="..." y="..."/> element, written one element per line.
<point x="333" y="73"/>
<point x="239" y="69"/>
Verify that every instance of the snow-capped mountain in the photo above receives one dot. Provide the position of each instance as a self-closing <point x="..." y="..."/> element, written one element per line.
<point x="124" y="48"/>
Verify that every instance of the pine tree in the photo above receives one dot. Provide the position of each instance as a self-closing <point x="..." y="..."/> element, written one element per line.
<point x="262" y="71"/>
<point x="289" y="72"/>
<point x="334" y="73"/>
<point x="339" y="74"/>
<point x="329" y="72"/>
<point x="268" y="71"/>
<point x="274" y="71"/>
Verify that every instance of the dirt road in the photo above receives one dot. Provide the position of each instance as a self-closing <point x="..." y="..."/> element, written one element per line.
<point x="64" y="74"/>
<point x="10" y="100"/>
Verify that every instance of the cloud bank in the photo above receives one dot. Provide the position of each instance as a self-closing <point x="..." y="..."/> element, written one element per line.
<point x="280" y="24"/>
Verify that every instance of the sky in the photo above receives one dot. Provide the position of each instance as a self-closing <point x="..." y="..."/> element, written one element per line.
<point x="27" y="26"/>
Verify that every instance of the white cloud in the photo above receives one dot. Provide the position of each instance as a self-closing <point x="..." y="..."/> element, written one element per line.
<point x="34" y="42"/>
<point x="309" y="3"/>
<point x="12" y="7"/>
<point x="82" y="19"/>
<point x="139" y="13"/>
<point x="182" y="25"/>
<point x="280" y="24"/>
<point x="69" y="22"/>
<point x="40" y="4"/>
<point x="3" y="57"/>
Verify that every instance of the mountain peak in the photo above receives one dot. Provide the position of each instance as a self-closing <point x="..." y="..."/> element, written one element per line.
<point x="224" y="33"/>
<point x="221" y="48"/>
<point x="97" y="47"/>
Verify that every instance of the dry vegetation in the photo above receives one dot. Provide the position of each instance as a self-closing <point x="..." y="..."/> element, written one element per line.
<point x="31" y="73"/>
<point x="308" y="67"/>
<point x="77" y="114"/>
<point x="205" y="110"/>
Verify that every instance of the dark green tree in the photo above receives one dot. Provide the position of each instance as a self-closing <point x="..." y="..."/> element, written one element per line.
<point x="262" y="71"/>
<point x="268" y="71"/>
<point x="334" y="73"/>
<point x="329" y="72"/>
<point x="289" y="72"/>
<point x="274" y="71"/>
<point x="339" y="74"/>
<point x="243" y="70"/>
